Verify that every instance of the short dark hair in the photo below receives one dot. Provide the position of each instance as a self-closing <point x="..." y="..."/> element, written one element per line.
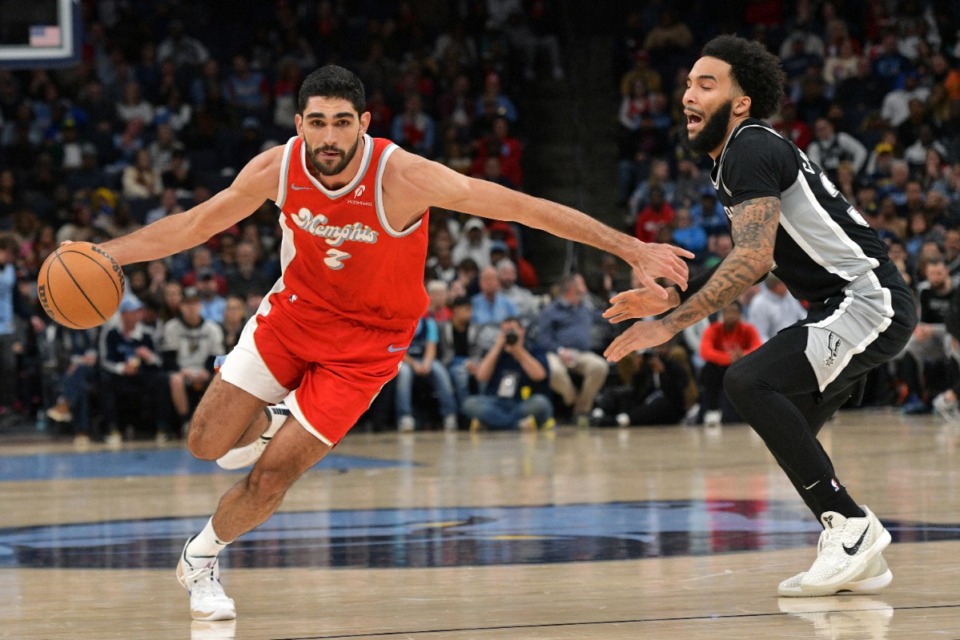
<point x="567" y="282"/>
<point x="9" y="243"/>
<point x="332" y="81"/>
<point x="754" y="69"/>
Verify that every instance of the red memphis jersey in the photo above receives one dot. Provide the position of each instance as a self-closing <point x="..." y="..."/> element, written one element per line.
<point x="339" y="253"/>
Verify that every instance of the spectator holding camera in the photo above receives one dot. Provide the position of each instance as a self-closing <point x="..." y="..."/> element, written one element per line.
<point x="514" y="382"/>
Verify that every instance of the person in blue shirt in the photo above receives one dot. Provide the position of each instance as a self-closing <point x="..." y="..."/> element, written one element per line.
<point x="490" y="307"/>
<point x="708" y="213"/>
<point x="688" y="235"/>
<point x="8" y="325"/>
<point x="420" y="360"/>
<point x="212" y="304"/>
<point x="513" y="377"/>
<point x="566" y="334"/>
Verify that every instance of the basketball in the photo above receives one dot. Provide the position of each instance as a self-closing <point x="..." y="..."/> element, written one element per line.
<point x="80" y="286"/>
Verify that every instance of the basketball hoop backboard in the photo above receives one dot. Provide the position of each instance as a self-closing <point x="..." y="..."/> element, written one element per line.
<point x="39" y="33"/>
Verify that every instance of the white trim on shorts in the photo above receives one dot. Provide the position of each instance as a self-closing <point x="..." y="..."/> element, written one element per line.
<point x="244" y="367"/>
<point x="297" y="412"/>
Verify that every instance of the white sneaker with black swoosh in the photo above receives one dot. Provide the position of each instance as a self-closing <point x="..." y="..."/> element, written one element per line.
<point x="846" y="550"/>
<point x="246" y="455"/>
<point x="873" y="579"/>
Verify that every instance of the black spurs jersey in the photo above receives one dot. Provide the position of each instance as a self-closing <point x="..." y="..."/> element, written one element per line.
<point x="823" y="243"/>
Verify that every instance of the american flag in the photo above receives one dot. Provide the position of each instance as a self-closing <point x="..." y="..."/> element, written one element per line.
<point x="44" y="36"/>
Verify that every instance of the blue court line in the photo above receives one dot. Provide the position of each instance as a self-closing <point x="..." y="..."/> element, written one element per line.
<point x="142" y="462"/>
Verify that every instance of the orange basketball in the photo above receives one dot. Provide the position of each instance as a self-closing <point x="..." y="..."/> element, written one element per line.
<point x="80" y="285"/>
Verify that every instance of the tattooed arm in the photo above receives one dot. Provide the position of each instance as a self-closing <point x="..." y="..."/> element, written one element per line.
<point x="754" y="229"/>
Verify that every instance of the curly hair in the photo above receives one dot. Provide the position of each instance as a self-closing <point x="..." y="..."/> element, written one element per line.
<point x="754" y="69"/>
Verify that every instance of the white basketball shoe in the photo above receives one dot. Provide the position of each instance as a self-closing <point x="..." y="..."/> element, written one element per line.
<point x="246" y="455"/>
<point x="874" y="578"/>
<point x="201" y="578"/>
<point x="848" y="559"/>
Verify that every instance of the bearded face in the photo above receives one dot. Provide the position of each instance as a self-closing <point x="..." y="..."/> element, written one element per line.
<point x="330" y="160"/>
<point x="713" y="131"/>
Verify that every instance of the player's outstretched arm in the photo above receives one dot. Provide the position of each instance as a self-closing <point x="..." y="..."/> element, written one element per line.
<point x="639" y="303"/>
<point x="642" y="302"/>
<point x="257" y="181"/>
<point x="754" y="228"/>
<point x="413" y="184"/>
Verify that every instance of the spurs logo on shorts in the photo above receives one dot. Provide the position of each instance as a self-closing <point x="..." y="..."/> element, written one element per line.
<point x="833" y="347"/>
<point x="827" y="352"/>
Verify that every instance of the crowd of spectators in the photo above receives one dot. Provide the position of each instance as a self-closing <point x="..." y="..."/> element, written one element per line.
<point x="168" y="101"/>
<point x="872" y="96"/>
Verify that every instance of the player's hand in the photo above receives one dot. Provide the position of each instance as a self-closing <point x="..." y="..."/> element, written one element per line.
<point x="657" y="260"/>
<point x="642" y="335"/>
<point x="639" y="303"/>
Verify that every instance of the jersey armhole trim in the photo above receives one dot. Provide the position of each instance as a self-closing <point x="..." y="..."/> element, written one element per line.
<point x="378" y="186"/>
<point x="285" y="172"/>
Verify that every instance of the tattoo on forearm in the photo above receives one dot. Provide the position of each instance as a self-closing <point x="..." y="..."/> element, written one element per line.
<point x="754" y="230"/>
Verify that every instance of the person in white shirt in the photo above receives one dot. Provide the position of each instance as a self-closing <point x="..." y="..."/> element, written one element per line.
<point x="474" y="243"/>
<point x="774" y="308"/>
<point x="829" y="148"/>
<point x="896" y="105"/>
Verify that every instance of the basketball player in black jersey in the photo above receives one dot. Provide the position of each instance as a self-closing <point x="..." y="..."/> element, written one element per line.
<point x="787" y="217"/>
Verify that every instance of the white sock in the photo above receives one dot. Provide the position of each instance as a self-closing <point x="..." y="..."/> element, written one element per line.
<point x="206" y="544"/>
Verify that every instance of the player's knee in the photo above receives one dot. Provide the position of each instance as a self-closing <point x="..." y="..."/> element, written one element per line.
<point x="200" y="442"/>
<point x="267" y="484"/>
<point x="201" y="447"/>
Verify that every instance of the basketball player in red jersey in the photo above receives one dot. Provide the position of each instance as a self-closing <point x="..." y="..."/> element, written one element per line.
<point x="333" y="329"/>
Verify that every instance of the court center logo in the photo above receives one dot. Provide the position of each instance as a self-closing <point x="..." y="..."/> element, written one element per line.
<point x="446" y="537"/>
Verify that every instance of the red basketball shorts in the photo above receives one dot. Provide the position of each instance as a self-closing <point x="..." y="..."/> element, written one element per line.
<point x="327" y="368"/>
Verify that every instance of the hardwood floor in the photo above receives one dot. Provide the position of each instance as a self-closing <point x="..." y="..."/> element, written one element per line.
<point x="593" y="533"/>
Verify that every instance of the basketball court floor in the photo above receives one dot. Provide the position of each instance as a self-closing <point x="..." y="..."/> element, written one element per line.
<point x="672" y="532"/>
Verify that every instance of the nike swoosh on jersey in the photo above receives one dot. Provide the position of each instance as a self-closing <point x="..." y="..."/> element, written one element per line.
<point x="297" y="187"/>
<point x="393" y="349"/>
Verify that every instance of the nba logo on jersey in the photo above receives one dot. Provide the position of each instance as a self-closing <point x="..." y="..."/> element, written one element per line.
<point x="218" y="362"/>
